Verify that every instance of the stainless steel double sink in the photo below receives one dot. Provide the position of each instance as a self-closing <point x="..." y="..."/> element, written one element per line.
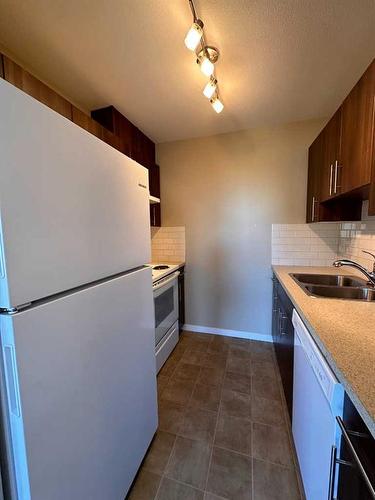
<point x="335" y="286"/>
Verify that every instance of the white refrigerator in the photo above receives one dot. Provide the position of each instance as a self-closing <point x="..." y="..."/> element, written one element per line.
<point x="77" y="365"/>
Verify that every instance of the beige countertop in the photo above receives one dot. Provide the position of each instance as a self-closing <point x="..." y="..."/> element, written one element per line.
<point x="345" y="333"/>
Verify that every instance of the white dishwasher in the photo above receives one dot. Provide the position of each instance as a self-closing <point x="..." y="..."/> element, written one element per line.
<point x="317" y="399"/>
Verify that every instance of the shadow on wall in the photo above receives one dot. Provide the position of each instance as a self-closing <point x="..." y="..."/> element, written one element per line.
<point x="305" y="244"/>
<point x="238" y="284"/>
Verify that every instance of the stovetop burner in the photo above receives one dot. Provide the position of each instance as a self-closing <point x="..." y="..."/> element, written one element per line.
<point x="160" y="268"/>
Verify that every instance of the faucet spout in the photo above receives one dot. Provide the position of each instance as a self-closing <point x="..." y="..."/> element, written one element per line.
<point x="351" y="263"/>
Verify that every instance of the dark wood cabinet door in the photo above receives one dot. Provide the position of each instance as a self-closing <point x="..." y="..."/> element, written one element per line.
<point x="351" y="484"/>
<point x="316" y="157"/>
<point x="154" y="180"/>
<point x="286" y="358"/>
<point x="181" y="298"/>
<point x="331" y="166"/>
<point x="22" y="79"/>
<point x="1" y="66"/>
<point x="358" y="133"/>
<point x="144" y="150"/>
<point x="126" y="130"/>
<point x="155" y="215"/>
<point x="148" y="152"/>
<point x="86" y="122"/>
<point x="283" y="338"/>
<point x="112" y="139"/>
<point x="275" y="311"/>
<point x="135" y="143"/>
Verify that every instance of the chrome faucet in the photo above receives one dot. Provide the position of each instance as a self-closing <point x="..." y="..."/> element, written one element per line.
<point x="369" y="275"/>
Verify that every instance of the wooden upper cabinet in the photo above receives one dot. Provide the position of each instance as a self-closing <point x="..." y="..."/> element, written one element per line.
<point x="135" y="143"/>
<point x="358" y="132"/>
<point x="316" y="158"/>
<point x="22" y="79"/>
<point x="144" y="150"/>
<point x="86" y="122"/>
<point x="1" y="66"/>
<point x="115" y="122"/>
<point x="113" y="140"/>
<point x="330" y="167"/>
<point x="154" y="180"/>
<point x="347" y="170"/>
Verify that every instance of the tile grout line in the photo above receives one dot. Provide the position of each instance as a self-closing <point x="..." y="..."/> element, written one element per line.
<point x="217" y="420"/>
<point x="191" y="396"/>
<point x="178" y="433"/>
<point x="182" y="482"/>
<point x="163" y="475"/>
<point x="216" y="424"/>
<point x="219" y="411"/>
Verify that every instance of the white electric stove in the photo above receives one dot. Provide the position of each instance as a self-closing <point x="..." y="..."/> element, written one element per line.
<point x="165" y="288"/>
<point x="159" y="270"/>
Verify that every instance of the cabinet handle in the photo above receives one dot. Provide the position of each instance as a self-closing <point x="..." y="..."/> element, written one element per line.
<point x="332" y="469"/>
<point x="331" y="180"/>
<point x="337" y="166"/>
<point x="154" y="216"/>
<point x="274" y="310"/>
<point x="313" y="209"/>
<point x="345" y="434"/>
<point x="282" y="317"/>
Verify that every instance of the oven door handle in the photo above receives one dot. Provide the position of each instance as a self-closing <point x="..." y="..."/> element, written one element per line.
<point x="166" y="281"/>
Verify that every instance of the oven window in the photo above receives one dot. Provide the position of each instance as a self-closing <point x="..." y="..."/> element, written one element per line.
<point x="164" y="306"/>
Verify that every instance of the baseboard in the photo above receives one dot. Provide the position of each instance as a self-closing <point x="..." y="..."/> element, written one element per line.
<point x="228" y="333"/>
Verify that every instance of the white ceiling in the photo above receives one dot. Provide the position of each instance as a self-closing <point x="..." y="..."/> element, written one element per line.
<point x="280" y="61"/>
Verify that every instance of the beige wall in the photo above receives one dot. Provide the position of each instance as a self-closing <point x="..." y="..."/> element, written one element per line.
<point x="227" y="190"/>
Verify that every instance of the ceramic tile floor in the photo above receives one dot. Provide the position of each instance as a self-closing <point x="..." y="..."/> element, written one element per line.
<point x="222" y="430"/>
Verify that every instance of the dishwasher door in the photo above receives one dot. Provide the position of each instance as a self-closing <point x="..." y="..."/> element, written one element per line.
<point x="317" y="399"/>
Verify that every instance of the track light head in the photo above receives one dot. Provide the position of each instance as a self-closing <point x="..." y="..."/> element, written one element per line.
<point x="217" y="104"/>
<point x="194" y="35"/>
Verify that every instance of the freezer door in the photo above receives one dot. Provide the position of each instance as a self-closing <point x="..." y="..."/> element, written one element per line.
<point x="80" y="376"/>
<point x="73" y="209"/>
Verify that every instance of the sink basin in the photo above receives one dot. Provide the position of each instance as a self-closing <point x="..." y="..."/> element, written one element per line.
<point x="335" y="286"/>
<point x="341" y="292"/>
<point x="328" y="279"/>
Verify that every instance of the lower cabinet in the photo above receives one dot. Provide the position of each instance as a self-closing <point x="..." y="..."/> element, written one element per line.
<point x="283" y="338"/>
<point x="355" y="461"/>
<point x="181" y="298"/>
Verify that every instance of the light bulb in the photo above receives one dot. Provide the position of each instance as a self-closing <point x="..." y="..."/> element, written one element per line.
<point x="210" y="88"/>
<point x="194" y="35"/>
<point x="206" y="65"/>
<point x="217" y="104"/>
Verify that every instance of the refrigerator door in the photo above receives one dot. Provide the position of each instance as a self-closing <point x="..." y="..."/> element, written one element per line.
<point x="81" y="390"/>
<point x="72" y="209"/>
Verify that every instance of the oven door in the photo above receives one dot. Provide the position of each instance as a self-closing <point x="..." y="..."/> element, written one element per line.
<point x="166" y="305"/>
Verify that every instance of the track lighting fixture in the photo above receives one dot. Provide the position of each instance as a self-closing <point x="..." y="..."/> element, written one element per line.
<point x="210" y="88"/>
<point x="194" y="35"/>
<point x="206" y="65"/>
<point x="217" y="104"/>
<point x="207" y="56"/>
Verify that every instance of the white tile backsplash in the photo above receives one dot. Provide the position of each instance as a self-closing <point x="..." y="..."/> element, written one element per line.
<point x="168" y="244"/>
<point x="356" y="237"/>
<point x="305" y="244"/>
<point x="320" y="244"/>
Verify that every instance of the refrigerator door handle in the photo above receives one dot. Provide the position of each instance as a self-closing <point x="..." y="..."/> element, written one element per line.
<point x="11" y="379"/>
